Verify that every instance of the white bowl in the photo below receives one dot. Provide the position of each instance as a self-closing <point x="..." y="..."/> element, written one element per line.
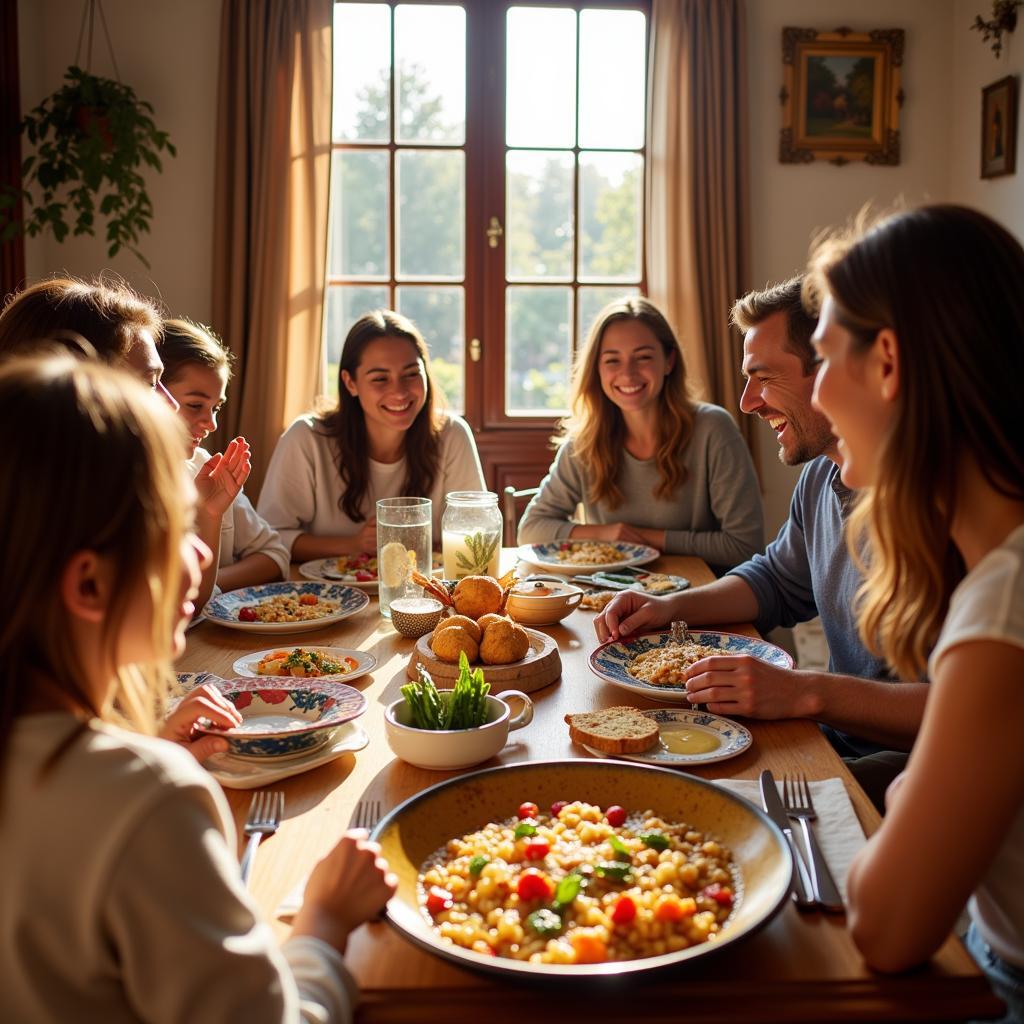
<point x="542" y="603"/>
<point x="444" y="749"/>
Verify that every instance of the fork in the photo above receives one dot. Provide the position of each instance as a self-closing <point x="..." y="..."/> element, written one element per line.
<point x="797" y="799"/>
<point x="366" y="814"/>
<point x="265" y="813"/>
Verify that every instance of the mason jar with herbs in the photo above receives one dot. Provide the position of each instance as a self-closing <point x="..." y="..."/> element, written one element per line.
<point x="471" y="534"/>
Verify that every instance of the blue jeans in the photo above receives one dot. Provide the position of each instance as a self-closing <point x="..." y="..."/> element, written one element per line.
<point x="1006" y="979"/>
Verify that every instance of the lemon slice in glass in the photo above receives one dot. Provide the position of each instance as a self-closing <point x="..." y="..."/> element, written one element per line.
<point x="394" y="564"/>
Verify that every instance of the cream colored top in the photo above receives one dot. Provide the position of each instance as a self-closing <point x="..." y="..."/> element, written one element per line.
<point x="122" y="899"/>
<point x="243" y="531"/>
<point x="988" y="604"/>
<point x="302" y="487"/>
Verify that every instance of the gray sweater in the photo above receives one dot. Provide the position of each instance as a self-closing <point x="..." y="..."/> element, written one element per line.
<point x="716" y="514"/>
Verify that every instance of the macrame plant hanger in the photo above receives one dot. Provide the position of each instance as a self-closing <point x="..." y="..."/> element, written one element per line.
<point x="89" y="17"/>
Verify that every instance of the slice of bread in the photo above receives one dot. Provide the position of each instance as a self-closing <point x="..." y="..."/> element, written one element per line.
<point x="620" y="730"/>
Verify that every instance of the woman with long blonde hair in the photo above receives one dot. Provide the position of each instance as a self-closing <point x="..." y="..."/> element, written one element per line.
<point x="921" y="339"/>
<point x="648" y="464"/>
<point x="122" y="898"/>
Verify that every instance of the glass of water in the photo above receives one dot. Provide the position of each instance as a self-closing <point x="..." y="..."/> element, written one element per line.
<point x="403" y="544"/>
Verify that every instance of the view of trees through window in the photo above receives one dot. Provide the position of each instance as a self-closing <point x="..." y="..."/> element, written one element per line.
<point x="570" y="208"/>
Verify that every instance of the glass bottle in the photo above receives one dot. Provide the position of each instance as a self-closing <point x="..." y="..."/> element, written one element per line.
<point x="471" y="534"/>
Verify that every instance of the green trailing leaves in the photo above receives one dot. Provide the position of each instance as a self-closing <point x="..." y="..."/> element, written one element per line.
<point x="89" y="137"/>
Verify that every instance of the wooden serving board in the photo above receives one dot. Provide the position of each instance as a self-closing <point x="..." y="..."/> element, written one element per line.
<point x="541" y="666"/>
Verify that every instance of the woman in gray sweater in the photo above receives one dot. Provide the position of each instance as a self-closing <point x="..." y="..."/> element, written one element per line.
<point x="648" y="464"/>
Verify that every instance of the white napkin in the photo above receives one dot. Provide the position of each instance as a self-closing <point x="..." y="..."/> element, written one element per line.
<point x="837" y="829"/>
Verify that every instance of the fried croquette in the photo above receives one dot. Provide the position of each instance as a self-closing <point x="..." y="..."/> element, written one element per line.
<point x="467" y="624"/>
<point x="448" y="643"/>
<point x="477" y="595"/>
<point x="503" y="642"/>
<point x="485" y="620"/>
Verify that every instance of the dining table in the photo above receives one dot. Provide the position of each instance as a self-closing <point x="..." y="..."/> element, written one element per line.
<point x="803" y="966"/>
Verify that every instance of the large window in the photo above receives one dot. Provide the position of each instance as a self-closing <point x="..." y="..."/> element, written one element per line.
<point x="487" y="181"/>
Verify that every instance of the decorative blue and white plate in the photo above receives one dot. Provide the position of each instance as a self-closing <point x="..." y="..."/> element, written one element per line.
<point x="689" y="737"/>
<point x="282" y="716"/>
<point x="610" y="661"/>
<point x="226" y="608"/>
<point x="546" y="556"/>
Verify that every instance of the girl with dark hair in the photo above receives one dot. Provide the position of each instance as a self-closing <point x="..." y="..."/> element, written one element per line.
<point x="197" y="369"/>
<point x="648" y="464"/>
<point x="921" y="340"/>
<point x="386" y="438"/>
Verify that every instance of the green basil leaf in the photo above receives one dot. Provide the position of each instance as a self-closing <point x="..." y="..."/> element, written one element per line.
<point x="614" y="870"/>
<point x="655" y="840"/>
<point x="568" y="889"/>
<point x="620" y="848"/>
<point x="545" y="922"/>
<point x="524" y="828"/>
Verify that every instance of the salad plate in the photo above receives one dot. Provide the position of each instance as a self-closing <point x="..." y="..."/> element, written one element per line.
<point x="353" y="570"/>
<point x="574" y="556"/>
<point x="611" y="661"/>
<point x="249" y="773"/>
<point x="356" y="663"/>
<point x="689" y="737"/>
<point x="230" y="609"/>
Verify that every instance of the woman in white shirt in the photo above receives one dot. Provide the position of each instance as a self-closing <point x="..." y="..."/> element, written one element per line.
<point x="196" y="373"/>
<point x="921" y="339"/>
<point x="386" y="438"/>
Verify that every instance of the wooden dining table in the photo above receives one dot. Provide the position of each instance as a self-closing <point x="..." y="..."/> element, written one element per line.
<point x="802" y="967"/>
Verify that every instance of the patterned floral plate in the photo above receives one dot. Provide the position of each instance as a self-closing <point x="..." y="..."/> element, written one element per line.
<point x="283" y="716"/>
<point x="251" y="772"/>
<point x="225" y="608"/>
<point x="689" y="737"/>
<point x="610" y="661"/>
<point x="545" y="556"/>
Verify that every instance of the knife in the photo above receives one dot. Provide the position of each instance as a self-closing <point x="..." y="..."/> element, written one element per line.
<point x="803" y="892"/>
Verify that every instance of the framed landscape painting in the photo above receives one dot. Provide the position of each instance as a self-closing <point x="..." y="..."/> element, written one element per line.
<point x="999" y="128"/>
<point x="841" y="96"/>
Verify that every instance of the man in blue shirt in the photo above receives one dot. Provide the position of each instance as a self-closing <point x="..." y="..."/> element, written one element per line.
<point x="807" y="571"/>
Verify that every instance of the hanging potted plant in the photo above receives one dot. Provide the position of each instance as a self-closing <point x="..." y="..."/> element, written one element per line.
<point x="92" y="140"/>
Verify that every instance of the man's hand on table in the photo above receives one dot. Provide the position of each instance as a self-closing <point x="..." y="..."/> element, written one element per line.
<point x="739" y="684"/>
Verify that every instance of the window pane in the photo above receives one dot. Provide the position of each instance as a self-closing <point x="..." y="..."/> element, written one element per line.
<point x="362" y="72"/>
<point x="430" y="60"/>
<point x="540" y="79"/>
<point x="359" y="214"/>
<point x="538" y="350"/>
<point x="345" y="305"/>
<point x="431" y="212"/>
<point x="613" y="56"/>
<point x="439" y="313"/>
<point x="610" y="216"/>
<point x="590" y="302"/>
<point x="539" y="216"/>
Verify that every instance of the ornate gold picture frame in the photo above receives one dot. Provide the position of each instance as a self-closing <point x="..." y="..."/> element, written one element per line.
<point x="841" y="96"/>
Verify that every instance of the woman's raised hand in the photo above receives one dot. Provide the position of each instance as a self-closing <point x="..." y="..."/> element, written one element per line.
<point x="220" y="480"/>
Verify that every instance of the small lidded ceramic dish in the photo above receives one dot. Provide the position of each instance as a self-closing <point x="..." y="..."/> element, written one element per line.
<point x="542" y="602"/>
<point x="415" y="616"/>
<point x="443" y="749"/>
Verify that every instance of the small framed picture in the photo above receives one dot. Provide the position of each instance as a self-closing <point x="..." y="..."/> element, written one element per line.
<point x="841" y="96"/>
<point x="999" y="128"/>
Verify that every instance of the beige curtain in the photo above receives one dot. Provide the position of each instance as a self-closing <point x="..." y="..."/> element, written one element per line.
<point x="697" y="196"/>
<point x="270" y="211"/>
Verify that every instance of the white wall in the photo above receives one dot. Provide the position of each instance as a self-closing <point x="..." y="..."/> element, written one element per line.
<point x="167" y="52"/>
<point x="790" y="202"/>
<point x="974" y="67"/>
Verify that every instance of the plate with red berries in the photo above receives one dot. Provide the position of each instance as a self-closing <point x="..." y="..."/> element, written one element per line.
<point x="359" y="570"/>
